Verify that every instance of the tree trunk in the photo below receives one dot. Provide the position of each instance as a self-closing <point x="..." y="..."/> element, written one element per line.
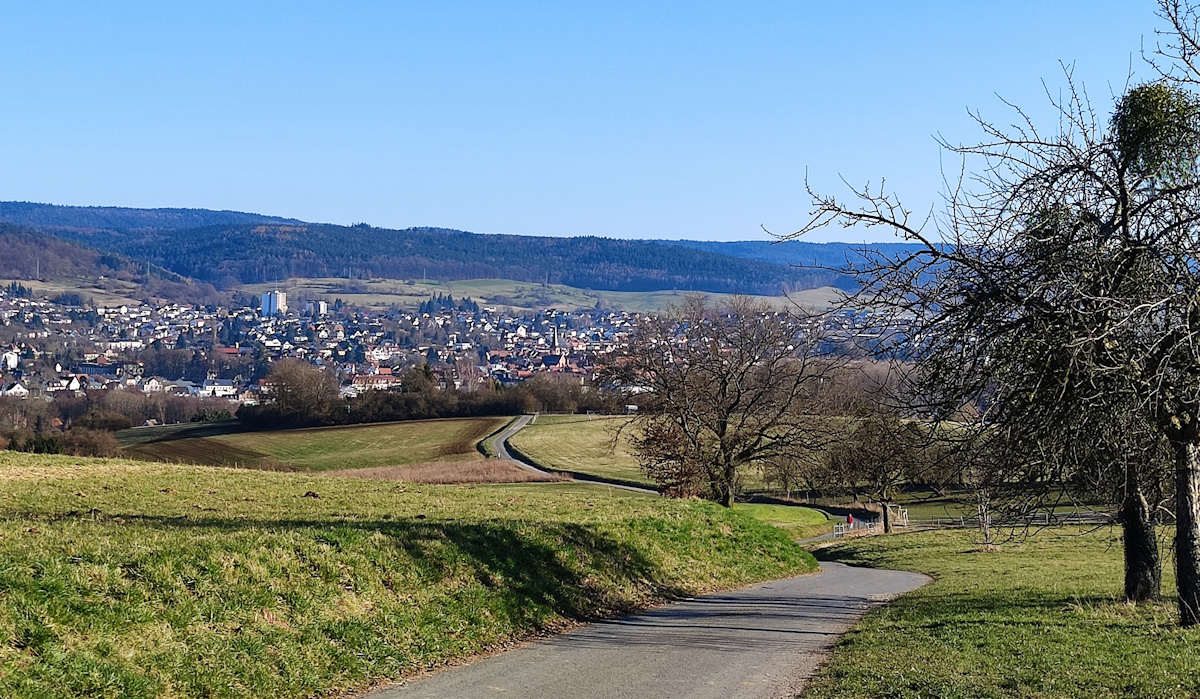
<point x="1143" y="567"/>
<point x="728" y="478"/>
<point x="887" y="518"/>
<point x="983" y="508"/>
<point x="1187" y="531"/>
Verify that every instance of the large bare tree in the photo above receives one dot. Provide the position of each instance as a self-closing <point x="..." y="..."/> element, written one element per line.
<point x="299" y="392"/>
<point x="722" y="387"/>
<point x="1059" y="290"/>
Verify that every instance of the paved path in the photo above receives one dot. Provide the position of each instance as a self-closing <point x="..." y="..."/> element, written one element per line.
<point x="761" y="642"/>
<point x="503" y="452"/>
<point x="501" y="443"/>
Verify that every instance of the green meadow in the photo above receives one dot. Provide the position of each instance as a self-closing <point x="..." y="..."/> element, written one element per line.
<point x="126" y="579"/>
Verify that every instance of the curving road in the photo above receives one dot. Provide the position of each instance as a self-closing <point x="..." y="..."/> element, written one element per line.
<point x="760" y="642"/>
<point x="501" y="443"/>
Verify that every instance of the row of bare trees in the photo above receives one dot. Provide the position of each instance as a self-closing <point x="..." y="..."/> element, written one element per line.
<point x="1048" y="319"/>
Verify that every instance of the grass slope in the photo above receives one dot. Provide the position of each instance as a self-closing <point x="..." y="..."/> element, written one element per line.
<point x="580" y="444"/>
<point x="798" y="522"/>
<point x="1040" y="618"/>
<point x="120" y="579"/>
<point x="584" y="444"/>
<point x="324" y="448"/>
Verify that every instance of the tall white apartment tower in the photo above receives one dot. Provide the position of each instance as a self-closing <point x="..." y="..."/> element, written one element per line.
<point x="274" y="303"/>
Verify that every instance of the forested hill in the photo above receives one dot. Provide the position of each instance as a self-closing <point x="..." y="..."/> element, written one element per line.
<point x="228" y="255"/>
<point x="795" y="252"/>
<point x="54" y="217"/>
<point x="28" y="255"/>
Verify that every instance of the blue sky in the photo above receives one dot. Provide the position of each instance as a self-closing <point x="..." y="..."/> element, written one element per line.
<point x="621" y="119"/>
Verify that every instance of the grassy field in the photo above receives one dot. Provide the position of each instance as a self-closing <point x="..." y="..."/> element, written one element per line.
<point x="580" y="444"/>
<point x="508" y="294"/>
<point x="111" y="292"/>
<point x="126" y="579"/>
<point x="1041" y="618"/>
<point x="585" y="444"/>
<point x="319" y="449"/>
<point x="798" y="522"/>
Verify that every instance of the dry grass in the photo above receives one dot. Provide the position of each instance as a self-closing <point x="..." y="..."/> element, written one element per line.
<point x="455" y="472"/>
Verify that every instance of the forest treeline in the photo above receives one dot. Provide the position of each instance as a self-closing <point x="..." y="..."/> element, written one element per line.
<point x="53" y="216"/>
<point x="29" y="254"/>
<point x="246" y="254"/>
<point x="228" y="248"/>
<point x="301" y="395"/>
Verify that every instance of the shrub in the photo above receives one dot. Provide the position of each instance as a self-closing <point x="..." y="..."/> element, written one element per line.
<point x="103" y="420"/>
<point x="85" y="442"/>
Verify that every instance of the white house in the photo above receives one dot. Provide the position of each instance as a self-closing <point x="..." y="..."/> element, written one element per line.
<point x="16" y="390"/>
<point x="153" y="385"/>
<point x="217" y="388"/>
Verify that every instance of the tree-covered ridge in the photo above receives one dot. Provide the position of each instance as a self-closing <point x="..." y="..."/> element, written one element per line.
<point x="53" y="216"/>
<point x="31" y="254"/>
<point x="244" y="254"/>
<point x="794" y="252"/>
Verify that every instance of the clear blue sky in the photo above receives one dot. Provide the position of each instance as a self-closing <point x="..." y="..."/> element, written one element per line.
<point x="622" y="119"/>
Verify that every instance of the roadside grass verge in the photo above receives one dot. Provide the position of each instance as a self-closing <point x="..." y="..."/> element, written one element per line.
<point x="125" y="579"/>
<point x="799" y="522"/>
<point x="327" y="448"/>
<point x="1040" y="618"/>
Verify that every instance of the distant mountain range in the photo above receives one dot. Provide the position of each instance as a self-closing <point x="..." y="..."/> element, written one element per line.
<point x="229" y="248"/>
<point x="793" y="252"/>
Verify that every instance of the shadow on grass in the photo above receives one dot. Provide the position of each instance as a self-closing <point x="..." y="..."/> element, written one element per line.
<point x="1013" y="606"/>
<point x="524" y="562"/>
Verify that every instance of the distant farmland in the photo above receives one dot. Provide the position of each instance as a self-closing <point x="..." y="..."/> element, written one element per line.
<point x="514" y="295"/>
<point x="323" y="449"/>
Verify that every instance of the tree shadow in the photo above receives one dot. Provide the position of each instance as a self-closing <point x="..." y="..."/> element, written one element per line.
<point x="526" y="564"/>
<point x="1015" y="602"/>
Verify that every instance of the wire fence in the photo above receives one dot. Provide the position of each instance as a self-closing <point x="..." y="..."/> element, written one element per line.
<point x="1037" y="519"/>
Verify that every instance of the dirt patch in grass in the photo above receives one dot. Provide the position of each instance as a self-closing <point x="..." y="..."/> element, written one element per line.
<point x="377" y="445"/>
<point x="440" y="472"/>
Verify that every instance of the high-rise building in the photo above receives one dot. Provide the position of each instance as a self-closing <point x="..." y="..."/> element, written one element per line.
<point x="274" y="303"/>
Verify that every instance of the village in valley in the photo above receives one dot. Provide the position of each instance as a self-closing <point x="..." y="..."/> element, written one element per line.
<point x="600" y="351"/>
<point x="56" y="345"/>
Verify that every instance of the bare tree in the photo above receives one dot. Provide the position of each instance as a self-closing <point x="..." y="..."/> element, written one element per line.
<point x="881" y="452"/>
<point x="301" y="392"/>
<point x="1058" y="289"/>
<point x="723" y="387"/>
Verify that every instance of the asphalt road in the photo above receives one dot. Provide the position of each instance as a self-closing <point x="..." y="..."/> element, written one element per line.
<point x="761" y="642"/>
<point x="502" y="444"/>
